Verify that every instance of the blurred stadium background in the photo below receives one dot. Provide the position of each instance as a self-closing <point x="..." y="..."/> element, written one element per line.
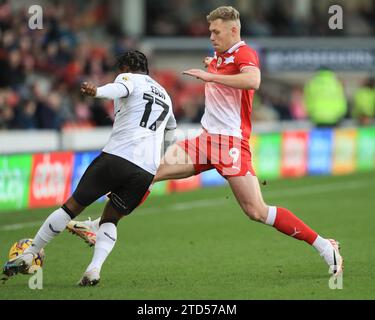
<point x="49" y="132"/>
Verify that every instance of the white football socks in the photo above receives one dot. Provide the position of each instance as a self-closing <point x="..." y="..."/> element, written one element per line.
<point x="105" y="241"/>
<point x="321" y="244"/>
<point x="54" y="224"/>
<point x="271" y="217"/>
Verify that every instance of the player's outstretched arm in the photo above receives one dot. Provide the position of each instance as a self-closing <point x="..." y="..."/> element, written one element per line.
<point x="109" y="91"/>
<point x="249" y="78"/>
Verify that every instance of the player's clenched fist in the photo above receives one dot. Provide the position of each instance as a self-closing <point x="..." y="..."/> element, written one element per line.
<point x="89" y="89"/>
<point x="206" y="61"/>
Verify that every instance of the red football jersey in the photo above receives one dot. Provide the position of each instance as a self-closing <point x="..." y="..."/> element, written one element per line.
<point x="228" y="110"/>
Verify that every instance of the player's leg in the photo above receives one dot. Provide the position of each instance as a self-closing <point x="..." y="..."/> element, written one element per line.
<point x="93" y="184"/>
<point x="176" y="164"/>
<point x="52" y="226"/>
<point x="106" y="237"/>
<point x="247" y="192"/>
<point x="122" y="201"/>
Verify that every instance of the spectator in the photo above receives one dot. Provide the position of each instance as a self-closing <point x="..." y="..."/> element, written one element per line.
<point x="47" y="112"/>
<point x="325" y="99"/>
<point x="7" y="101"/>
<point x="25" y="115"/>
<point x="364" y="103"/>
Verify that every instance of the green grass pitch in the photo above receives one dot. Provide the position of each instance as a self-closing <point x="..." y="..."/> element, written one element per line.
<point x="199" y="245"/>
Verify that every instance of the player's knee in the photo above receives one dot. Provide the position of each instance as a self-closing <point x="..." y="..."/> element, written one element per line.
<point x="255" y="213"/>
<point x="112" y="212"/>
<point x="116" y="207"/>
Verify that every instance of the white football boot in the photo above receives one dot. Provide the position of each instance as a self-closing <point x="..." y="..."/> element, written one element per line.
<point x="84" y="229"/>
<point x="20" y="264"/>
<point x="90" y="278"/>
<point x="333" y="258"/>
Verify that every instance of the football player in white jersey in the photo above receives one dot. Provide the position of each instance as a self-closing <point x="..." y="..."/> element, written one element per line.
<point x="125" y="168"/>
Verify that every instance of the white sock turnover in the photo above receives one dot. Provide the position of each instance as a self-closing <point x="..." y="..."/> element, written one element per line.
<point x="271" y="217"/>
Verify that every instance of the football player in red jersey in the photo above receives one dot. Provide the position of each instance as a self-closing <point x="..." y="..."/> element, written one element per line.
<point x="232" y="77"/>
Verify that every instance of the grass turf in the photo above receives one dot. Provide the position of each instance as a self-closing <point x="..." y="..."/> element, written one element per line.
<point x="198" y="245"/>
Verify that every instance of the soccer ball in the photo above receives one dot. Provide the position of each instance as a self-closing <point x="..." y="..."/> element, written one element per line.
<point x="19" y="247"/>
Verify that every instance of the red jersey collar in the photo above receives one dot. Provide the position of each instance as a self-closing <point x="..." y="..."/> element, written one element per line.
<point x="230" y="50"/>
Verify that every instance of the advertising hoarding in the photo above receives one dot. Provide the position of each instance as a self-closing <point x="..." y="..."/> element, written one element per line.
<point x="51" y="175"/>
<point x="344" y="151"/>
<point x="320" y="152"/>
<point x="268" y="156"/>
<point x="366" y="149"/>
<point x="14" y="181"/>
<point x="294" y="153"/>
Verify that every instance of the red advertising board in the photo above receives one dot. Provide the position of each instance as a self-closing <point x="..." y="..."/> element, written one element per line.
<point x="294" y="154"/>
<point x="51" y="176"/>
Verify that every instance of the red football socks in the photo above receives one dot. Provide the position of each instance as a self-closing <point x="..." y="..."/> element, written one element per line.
<point x="286" y="222"/>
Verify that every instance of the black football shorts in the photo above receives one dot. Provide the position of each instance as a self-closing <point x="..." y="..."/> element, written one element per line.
<point x="125" y="182"/>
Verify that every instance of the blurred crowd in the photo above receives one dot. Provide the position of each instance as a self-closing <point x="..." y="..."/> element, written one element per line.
<point x="323" y="99"/>
<point x="262" y="18"/>
<point x="41" y="71"/>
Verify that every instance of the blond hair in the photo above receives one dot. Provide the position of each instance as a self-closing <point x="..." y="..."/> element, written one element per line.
<point x="226" y="13"/>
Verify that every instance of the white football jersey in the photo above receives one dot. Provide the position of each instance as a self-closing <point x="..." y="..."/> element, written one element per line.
<point x="140" y="120"/>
